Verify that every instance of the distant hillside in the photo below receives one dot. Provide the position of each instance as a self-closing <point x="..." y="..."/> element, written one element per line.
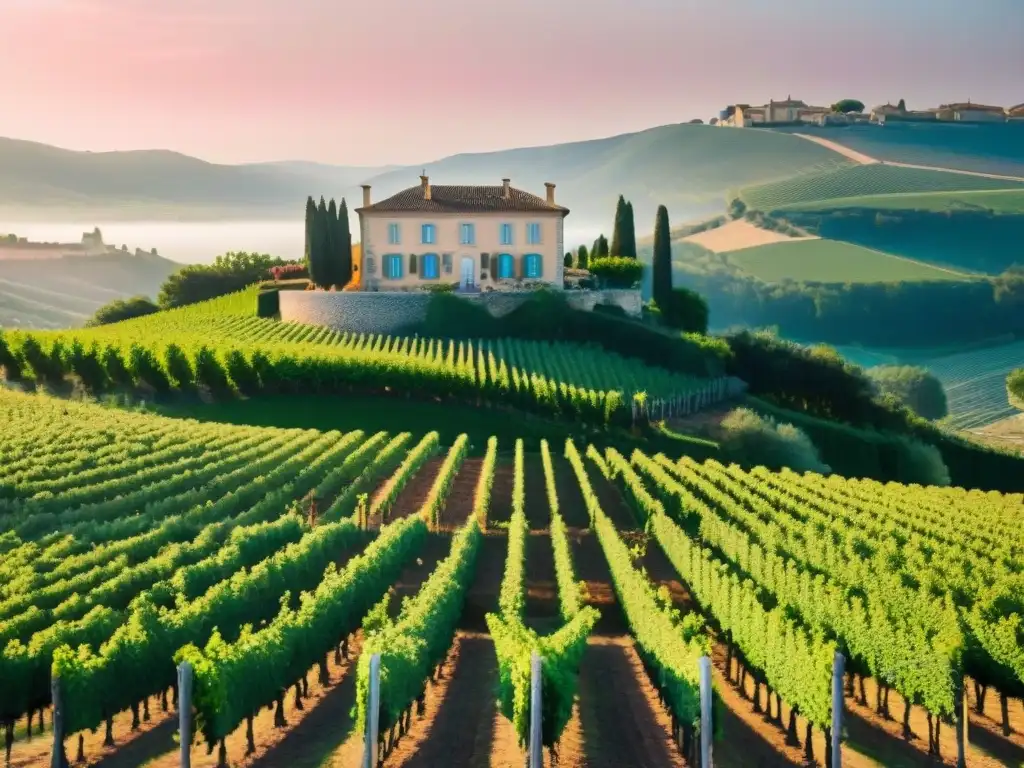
<point x="854" y="180"/>
<point x="689" y="168"/>
<point x="983" y="148"/>
<point x="65" y="292"/>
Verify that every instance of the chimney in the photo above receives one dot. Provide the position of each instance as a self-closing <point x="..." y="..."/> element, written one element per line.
<point x="366" y="195"/>
<point x="504" y="188"/>
<point x="425" y="182"/>
<point x="551" y="192"/>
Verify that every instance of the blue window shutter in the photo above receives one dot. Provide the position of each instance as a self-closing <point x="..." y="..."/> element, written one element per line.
<point x="398" y="264"/>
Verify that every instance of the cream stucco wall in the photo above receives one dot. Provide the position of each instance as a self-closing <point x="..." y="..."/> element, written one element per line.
<point x="375" y="246"/>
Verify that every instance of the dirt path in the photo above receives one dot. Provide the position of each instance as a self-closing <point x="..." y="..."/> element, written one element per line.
<point x="538" y="510"/>
<point x="412" y="496"/>
<point x="739" y="234"/>
<point x="501" y="492"/>
<point x="860" y="157"/>
<point x="458" y="506"/>
<point x="570" y="498"/>
<point x="458" y="725"/>
<point x="542" y="605"/>
<point x="850" y="154"/>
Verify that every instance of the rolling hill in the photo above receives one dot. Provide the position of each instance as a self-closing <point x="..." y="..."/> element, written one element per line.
<point x="831" y="261"/>
<point x="689" y="168"/>
<point x="854" y="180"/>
<point x="982" y="148"/>
<point x="65" y="292"/>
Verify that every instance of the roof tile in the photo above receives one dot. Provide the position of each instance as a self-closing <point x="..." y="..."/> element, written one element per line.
<point x="464" y="199"/>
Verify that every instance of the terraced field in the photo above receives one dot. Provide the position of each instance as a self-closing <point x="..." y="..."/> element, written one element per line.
<point x="832" y="261"/>
<point x="984" y="148"/>
<point x="1000" y="201"/>
<point x="974" y="380"/>
<point x="131" y="541"/>
<point x="855" y="180"/>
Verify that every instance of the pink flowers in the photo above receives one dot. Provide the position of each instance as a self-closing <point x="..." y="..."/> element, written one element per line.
<point x="288" y="271"/>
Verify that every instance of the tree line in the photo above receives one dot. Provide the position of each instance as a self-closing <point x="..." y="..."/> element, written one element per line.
<point x="328" y="243"/>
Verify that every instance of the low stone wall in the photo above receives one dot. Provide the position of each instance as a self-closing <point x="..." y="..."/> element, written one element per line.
<point x="387" y="312"/>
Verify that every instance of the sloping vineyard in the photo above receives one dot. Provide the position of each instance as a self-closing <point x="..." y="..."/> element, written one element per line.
<point x="232" y="353"/>
<point x="268" y="558"/>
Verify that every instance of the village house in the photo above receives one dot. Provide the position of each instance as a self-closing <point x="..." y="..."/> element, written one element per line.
<point x="480" y="237"/>
<point x="967" y="112"/>
<point x="774" y="112"/>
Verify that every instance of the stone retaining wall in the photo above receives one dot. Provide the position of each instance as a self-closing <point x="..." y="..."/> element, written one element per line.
<point x="387" y="312"/>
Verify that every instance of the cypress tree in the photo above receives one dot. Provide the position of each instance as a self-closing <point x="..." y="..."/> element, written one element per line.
<point x="331" y="270"/>
<point x="620" y="222"/>
<point x="318" y="266"/>
<point x="627" y="247"/>
<point x="661" y="272"/>
<point x="345" y="243"/>
<point x="600" y="247"/>
<point x="310" y="224"/>
<point x="581" y="257"/>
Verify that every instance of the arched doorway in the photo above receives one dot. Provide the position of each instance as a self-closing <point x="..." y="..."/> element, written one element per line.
<point x="467" y="274"/>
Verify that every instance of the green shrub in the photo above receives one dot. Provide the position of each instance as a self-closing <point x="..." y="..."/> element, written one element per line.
<point x="686" y="311"/>
<point x="87" y="366"/>
<point x="268" y="303"/>
<point x="920" y="463"/>
<point x="122" y="309"/>
<point x="145" y="367"/>
<point x="179" y="369"/>
<point x="9" y="360"/>
<point x="241" y="372"/>
<point x="617" y="271"/>
<point x="1014" y="387"/>
<point x="115" y="368"/>
<point x="452" y="316"/>
<point x="612" y="310"/>
<point x="210" y="373"/>
<point x="753" y="440"/>
<point x="916" y="388"/>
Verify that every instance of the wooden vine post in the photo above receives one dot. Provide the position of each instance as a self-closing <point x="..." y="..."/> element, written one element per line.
<point x="58" y="758"/>
<point x="705" y="712"/>
<point x="536" y="712"/>
<point x="185" y="713"/>
<point x="962" y="720"/>
<point x="838" y="670"/>
<point x="372" y="714"/>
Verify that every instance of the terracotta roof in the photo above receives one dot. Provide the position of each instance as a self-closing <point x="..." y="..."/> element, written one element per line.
<point x="969" y="105"/>
<point x="464" y="199"/>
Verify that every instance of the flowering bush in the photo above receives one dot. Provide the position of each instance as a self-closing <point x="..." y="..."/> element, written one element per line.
<point x="289" y="272"/>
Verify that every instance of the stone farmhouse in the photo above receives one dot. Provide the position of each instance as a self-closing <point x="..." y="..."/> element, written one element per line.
<point x="488" y="238"/>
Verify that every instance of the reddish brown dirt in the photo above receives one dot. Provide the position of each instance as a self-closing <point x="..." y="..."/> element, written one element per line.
<point x="458" y="506"/>
<point x="458" y="725"/>
<point x="501" y="492"/>
<point x="570" y="498"/>
<point x="310" y="733"/>
<point x="412" y="496"/>
<point x="987" y="730"/>
<point x="482" y="597"/>
<point x="542" y="605"/>
<point x="592" y="570"/>
<point x="434" y="551"/>
<point x="538" y="510"/>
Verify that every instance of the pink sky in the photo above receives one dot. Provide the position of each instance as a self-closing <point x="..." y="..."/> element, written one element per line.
<point x="405" y="81"/>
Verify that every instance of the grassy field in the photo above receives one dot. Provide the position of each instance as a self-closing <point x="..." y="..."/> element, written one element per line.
<point x="974" y="380"/>
<point x="1000" y="201"/>
<point x="989" y="148"/>
<point x="856" y="180"/>
<point x="832" y="261"/>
